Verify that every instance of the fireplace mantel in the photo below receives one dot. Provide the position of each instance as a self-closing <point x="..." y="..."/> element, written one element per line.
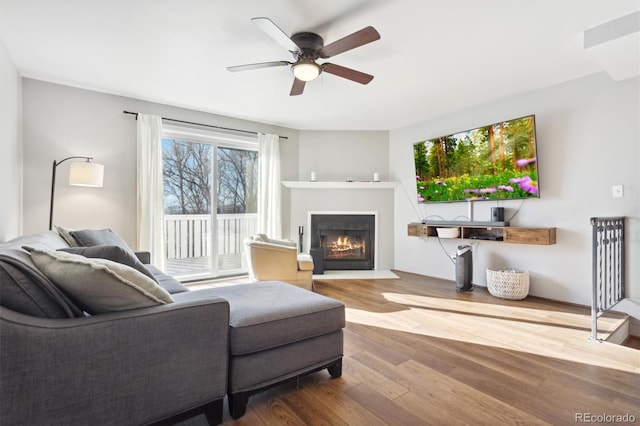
<point x="339" y="185"/>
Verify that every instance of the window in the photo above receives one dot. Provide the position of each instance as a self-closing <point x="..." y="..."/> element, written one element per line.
<point x="209" y="179"/>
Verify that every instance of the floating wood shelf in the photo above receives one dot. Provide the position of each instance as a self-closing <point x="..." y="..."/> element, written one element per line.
<point x="505" y="234"/>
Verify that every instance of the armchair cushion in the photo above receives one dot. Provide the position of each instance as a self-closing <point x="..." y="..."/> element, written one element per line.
<point x="99" y="285"/>
<point x="305" y="262"/>
<point x="272" y="259"/>
<point x="265" y="239"/>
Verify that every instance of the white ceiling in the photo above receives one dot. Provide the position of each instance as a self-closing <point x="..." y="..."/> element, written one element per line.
<point x="434" y="56"/>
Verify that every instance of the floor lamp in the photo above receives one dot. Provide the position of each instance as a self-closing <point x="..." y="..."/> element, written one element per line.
<point x="80" y="174"/>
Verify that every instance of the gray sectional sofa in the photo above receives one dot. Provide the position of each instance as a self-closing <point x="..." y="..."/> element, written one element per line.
<point x="144" y="364"/>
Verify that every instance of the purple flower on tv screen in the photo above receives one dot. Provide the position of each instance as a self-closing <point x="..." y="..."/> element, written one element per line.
<point x="488" y="190"/>
<point x="441" y="182"/>
<point x="530" y="186"/>
<point x="507" y="188"/>
<point x="420" y="198"/>
<point x="470" y="191"/>
<point x="525" y="161"/>
<point x="526" y="184"/>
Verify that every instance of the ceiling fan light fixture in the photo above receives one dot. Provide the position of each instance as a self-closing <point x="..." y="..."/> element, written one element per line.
<point x="306" y="70"/>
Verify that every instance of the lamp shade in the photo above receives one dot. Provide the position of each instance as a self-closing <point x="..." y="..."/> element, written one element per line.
<point x="306" y="70"/>
<point x="86" y="174"/>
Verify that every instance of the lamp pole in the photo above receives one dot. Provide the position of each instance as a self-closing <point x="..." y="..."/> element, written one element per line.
<point x="53" y="184"/>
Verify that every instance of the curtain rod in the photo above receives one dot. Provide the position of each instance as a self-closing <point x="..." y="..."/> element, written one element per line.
<point x="203" y="125"/>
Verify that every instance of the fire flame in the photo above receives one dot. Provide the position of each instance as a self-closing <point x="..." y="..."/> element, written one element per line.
<point x="343" y="244"/>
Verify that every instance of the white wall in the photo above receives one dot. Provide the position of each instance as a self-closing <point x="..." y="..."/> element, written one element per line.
<point x="62" y="121"/>
<point x="349" y="200"/>
<point x="334" y="156"/>
<point x="10" y="147"/>
<point x="588" y="137"/>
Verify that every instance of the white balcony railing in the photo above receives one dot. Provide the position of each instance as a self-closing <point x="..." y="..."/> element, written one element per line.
<point x="188" y="242"/>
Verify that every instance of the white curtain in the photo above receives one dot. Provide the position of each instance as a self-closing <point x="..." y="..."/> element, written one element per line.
<point x="150" y="194"/>
<point x="269" y="215"/>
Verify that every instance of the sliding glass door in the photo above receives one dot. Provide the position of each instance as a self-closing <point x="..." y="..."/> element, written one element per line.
<point x="210" y="195"/>
<point x="237" y="194"/>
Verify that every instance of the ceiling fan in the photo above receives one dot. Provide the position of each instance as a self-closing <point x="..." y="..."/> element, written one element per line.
<point x="307" y="48"/>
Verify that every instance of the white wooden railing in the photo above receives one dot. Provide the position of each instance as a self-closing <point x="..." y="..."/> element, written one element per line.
<point x="188" y="235"/>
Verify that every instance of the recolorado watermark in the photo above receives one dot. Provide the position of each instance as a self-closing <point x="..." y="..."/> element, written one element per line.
<point x="604" y="418"/>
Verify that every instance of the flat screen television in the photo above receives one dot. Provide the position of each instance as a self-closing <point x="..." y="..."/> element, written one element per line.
<point x="494" y="162"/>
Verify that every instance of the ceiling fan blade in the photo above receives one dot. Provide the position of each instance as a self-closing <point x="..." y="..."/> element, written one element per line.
<point x="357" y="39"/>
<point x="297" y="88"/>
<point x="273" y="31"/>
<point x="348" y="73"/>
<point x="259" y="65"/>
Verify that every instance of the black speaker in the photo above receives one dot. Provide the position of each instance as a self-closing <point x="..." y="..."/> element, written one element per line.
<point x="497" y="214"/>
<point x="317" y="254"/>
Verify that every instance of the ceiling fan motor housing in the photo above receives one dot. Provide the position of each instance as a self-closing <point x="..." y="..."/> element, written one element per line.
<point x="310" y="43"/>
<point x="306" y="48"/>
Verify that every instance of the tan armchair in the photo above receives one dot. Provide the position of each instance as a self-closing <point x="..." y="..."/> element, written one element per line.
<point x="271" y="259"/>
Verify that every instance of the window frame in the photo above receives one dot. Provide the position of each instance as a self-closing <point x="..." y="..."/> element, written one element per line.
<point x="216" y="140"/>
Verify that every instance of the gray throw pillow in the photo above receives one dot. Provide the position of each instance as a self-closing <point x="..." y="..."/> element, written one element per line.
<point x="99" y="285"/>
<point x="113" y="253"/>
<point x="66" y="235"/>
<point x="99" y="237"/>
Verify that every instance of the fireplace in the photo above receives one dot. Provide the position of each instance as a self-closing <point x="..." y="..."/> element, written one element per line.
<point x="347" y="240"/>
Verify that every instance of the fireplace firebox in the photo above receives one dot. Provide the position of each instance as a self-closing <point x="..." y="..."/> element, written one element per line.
<point x="347" y="240"/>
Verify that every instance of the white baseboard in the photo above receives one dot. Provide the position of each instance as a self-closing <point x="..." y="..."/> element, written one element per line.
<point x="356" y="275"/>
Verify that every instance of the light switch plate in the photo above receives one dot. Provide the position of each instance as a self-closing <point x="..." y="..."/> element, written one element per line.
<point x="617" y="191"/>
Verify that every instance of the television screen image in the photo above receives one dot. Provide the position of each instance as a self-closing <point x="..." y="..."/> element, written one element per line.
<point x="494" y="162"/>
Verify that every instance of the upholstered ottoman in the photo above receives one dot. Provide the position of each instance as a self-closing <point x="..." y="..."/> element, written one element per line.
<point x="277" y="332"/>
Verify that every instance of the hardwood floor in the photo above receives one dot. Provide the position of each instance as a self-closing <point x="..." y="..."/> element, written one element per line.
<point x="417" y="352"/>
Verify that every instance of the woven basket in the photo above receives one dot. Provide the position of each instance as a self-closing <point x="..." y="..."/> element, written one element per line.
<point x="508" y="284"/>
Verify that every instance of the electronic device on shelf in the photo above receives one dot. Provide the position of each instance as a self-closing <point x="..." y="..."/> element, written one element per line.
<point x="486" y="237"/>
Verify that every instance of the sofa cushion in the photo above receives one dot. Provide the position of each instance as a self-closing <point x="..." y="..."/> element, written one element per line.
<point x="99" y="285"/>
<point x="167" y="282"/>
<point x="113" y="253"/>
<point x="23" y="288"/>
<point x="269" y="314"/>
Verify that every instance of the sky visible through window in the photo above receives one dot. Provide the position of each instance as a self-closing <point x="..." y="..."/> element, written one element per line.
<point x="189" y="181"/>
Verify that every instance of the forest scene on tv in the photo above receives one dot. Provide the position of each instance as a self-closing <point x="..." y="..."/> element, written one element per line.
<point x="494" y="162"/>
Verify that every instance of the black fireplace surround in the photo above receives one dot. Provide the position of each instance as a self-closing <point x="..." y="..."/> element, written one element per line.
<point x="347" y="240"/>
